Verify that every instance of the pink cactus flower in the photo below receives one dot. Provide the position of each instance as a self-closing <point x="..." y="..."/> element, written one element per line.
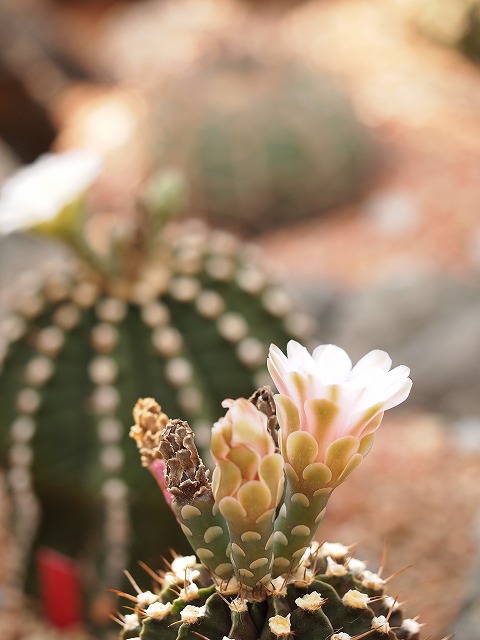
<point x="339" y="405"/>
<point x="248" y="468"/>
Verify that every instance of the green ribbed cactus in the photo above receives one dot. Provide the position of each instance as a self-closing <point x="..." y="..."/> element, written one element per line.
<point x="262" y="143"/>
<point x="261" y="576"/>
<point x="455" y="23"/>
<point x="77" y="349"/>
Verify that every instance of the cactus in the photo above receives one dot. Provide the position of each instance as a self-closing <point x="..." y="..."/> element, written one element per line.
<point x="262" y="143"/>
<point x="455" y="23"/>
<point x="261" y="575"/>
<point x="79" y="347"/>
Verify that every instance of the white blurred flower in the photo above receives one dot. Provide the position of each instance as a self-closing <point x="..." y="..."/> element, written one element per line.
<point x="41" y="190"/>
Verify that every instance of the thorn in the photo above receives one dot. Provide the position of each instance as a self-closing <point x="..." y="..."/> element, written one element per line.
<point x="132" y="582"/>
<point x="384" y="558"/>
<point x="223" y="598"/>
<point x="166" y="562"/>
<point x="123" y="594"/>
<point x="363" y="635"/>
<point x="117" y="620"/>
<point x="134" y="609"/>
<point x="392" y="608"/>
<point x="175" y="589"/>
<point x="150" y="572"/>
<point x="394" y="575"/>
<point x="174" y="623"/>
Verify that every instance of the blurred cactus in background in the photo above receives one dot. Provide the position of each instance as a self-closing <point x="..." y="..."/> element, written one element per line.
<point x="261" y="576"/>
<point x="455" y="23"/>
<point x="177" y="310"/>
<point x="261" y="142"/>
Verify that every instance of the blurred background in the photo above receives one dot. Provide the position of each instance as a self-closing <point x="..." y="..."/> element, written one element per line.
<point x="342" y="139"/>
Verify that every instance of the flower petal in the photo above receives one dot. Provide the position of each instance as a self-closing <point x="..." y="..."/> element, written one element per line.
<point x="375" y="358"/>
<point x="333" y="364"/>
<point x="339" y="453"/>
<point x="288" y="418"/>
<point x="255" y="498"/>
<point x="301" y="450"/>
<point x="321" y="420"/>
<point x="271" y="472"/>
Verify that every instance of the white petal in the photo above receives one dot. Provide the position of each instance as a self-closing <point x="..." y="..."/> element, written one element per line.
<point x="375" y="358"/>
<point x="299" y="359"/>
<point x="384" y="388"/>
<point x="39" y="191"/>
<point x="333" y="363"/>
<point x="276" y="368"/>
<point x="399" y="395"/>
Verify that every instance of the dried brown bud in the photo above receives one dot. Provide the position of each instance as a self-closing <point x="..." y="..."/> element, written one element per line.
<point x="150" y="422"/>
<point x="185" y="475"/>
<point x="263" y="400"/>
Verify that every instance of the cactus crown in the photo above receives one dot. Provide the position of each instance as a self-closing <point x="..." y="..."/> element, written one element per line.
<point x="261" y="574"/>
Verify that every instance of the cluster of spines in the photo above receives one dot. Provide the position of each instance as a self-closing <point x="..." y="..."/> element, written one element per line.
<point x="331" y="596"/>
